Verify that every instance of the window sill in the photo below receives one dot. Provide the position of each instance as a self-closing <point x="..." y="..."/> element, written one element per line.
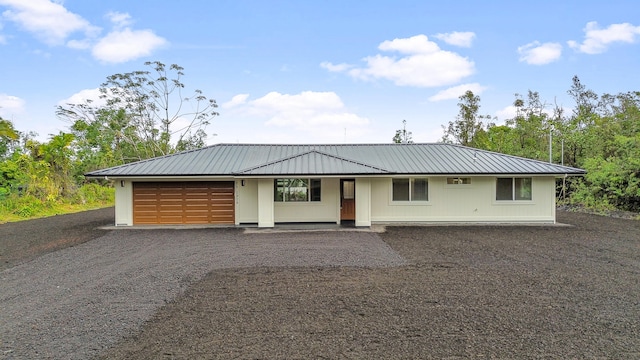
<point x="513" y="202"/>
<point x="298" y="203"/>
<point x="409" y="203"/>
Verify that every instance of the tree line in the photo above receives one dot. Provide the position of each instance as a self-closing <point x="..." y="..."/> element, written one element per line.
<point x="601" y="134"/>
<point x="138" y="115"/>
<point x="148" y="113"/>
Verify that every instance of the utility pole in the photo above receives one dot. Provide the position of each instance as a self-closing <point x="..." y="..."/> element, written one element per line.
<point x="550" y="150"/>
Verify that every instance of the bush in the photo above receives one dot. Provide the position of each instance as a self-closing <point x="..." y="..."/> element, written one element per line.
<point x="24" y="206"/>
<point x="93" y="193"/>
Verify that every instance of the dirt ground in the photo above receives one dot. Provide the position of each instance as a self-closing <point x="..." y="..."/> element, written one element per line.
<point x="464" y="292"/>
<point x="469" y="292"/>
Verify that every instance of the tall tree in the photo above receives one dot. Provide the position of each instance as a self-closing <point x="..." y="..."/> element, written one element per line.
<point x="8" y="137"/>
<point x="403" y="136"/>
<point x="467" y="128"/>
<point x="145" y="114"/>
<point x="57" y="157"/>
<point x="532" y="126"/>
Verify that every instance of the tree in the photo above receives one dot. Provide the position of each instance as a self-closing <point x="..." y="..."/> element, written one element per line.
<point x="575" y="128"/>
<point x="531" y="126"/>
<point x="56" y="157"/>
<point x="7" y="131"/>
<point x="467" y="129"/>
<point x="8" y="137"/>
<point x="145" y="115"/>
<point x="403" y="136"/>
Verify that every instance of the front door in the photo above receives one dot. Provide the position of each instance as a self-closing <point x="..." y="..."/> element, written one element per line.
<point x="347" y="199"/>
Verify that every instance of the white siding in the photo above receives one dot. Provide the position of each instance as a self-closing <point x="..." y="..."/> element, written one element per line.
<point x="326" y="210"/>
<point x="247" y="201"/>
<point x="363" y="202"/>
<point x="464" y="203"/>
<point x="265" y="203"/>
<point x="124" y="203"/>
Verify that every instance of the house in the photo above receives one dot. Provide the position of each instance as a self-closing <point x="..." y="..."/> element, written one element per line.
<point x="243" y="184"/>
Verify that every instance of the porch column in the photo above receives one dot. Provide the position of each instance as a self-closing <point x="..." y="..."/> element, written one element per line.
<point x="363" y="202"/>
<point x="265" y="203"/>
<point x="124" y="203"/>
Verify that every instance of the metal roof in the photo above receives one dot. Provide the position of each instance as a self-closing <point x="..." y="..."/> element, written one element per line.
<point x="348" y="159"/>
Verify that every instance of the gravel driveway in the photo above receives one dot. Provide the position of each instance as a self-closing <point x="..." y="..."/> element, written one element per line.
<point x="74" y="302"/>
<point x="411" y="292"/>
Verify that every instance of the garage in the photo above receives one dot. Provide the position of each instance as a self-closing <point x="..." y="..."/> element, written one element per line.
<point x="188" y="202"/>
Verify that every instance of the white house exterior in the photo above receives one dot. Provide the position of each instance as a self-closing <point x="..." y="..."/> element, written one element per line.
<point x="365" y="184"/>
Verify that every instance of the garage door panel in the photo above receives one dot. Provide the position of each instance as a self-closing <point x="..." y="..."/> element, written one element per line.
<point x="184" y="203"/>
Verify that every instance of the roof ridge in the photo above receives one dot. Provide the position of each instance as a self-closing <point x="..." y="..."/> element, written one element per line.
<point x="307" y="153"/>
<point x="351" y="160"/>
<point x="330" y="144"/>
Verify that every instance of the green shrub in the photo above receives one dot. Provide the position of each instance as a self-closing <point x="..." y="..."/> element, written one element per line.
<point x="25" y="206"/>
<point x="93" y="193"/>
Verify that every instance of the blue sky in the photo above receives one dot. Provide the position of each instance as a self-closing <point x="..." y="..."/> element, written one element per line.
<point x="318" y="71"/>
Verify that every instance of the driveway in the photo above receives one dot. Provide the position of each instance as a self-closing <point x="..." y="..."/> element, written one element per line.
<point x="74" y="302"/>
<point x="412" y="292"/>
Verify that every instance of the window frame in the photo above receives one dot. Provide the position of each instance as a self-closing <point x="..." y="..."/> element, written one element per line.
<point x="313" y="191"/>
<point x="410" y="191"/>
<point x="517" y="185"/>
<point x="458" y="181"/>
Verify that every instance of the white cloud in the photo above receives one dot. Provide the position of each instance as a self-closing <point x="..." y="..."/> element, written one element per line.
<point x="235" y="101"/>
<point x="48" y="20"/>
<point x="457" y="38"/>
<point x="82" y="96"/>
<point x="125" y="45"/>
<point x="10" y="104"/>
<point x="119" y="20"/>
<point x="309" y="114"/>
<point x="3" y="39"/>
<point x="51" y="22"/>
<point x="419" y="44"/>
<point x="335" y="67"/>
<point x="597" y="40"/>
<point x="508" y="112"/>
<point x="79" y="44"/>
<point x="425" y="64"/>
<point x="511" y="112"/>
<point x="536" y="53"/>
<point x="457" y="91"/>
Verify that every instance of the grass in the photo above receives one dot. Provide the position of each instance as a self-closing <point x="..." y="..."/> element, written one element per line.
<point x="24" y="207"/>
<point x="60" y="209"/>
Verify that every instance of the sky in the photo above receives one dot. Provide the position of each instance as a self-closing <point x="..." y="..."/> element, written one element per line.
<point x="318" y="71"/>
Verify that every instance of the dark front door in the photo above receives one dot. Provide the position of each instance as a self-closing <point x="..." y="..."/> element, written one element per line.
<point x="347" y="199"/>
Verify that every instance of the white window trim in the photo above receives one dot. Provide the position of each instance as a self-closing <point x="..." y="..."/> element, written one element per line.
<point x="446" y="181"/>
<point x="459" y="186"/>
<point x="512" y="202"/>
<point x="410" y="202"/>
<point x="306" y="202"/>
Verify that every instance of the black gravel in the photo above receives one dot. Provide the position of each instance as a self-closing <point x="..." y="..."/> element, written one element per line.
<point x="75" y="302"/>
<point x="25" y="240"/>
<point x="485" y="292"/>
<point x="411" y="292"/>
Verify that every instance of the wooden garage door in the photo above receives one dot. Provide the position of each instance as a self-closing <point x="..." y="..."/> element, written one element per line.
<point x="210" y="202"/>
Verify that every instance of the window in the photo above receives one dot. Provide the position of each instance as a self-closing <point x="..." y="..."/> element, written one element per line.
<point x="458" y="181"/>
<point x="513" y="189"/>
<point x="410" y="190"/>
<point x="297" y="190"/>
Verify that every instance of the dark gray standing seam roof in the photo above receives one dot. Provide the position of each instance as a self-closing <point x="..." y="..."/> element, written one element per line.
<point x="246" y="160"/>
